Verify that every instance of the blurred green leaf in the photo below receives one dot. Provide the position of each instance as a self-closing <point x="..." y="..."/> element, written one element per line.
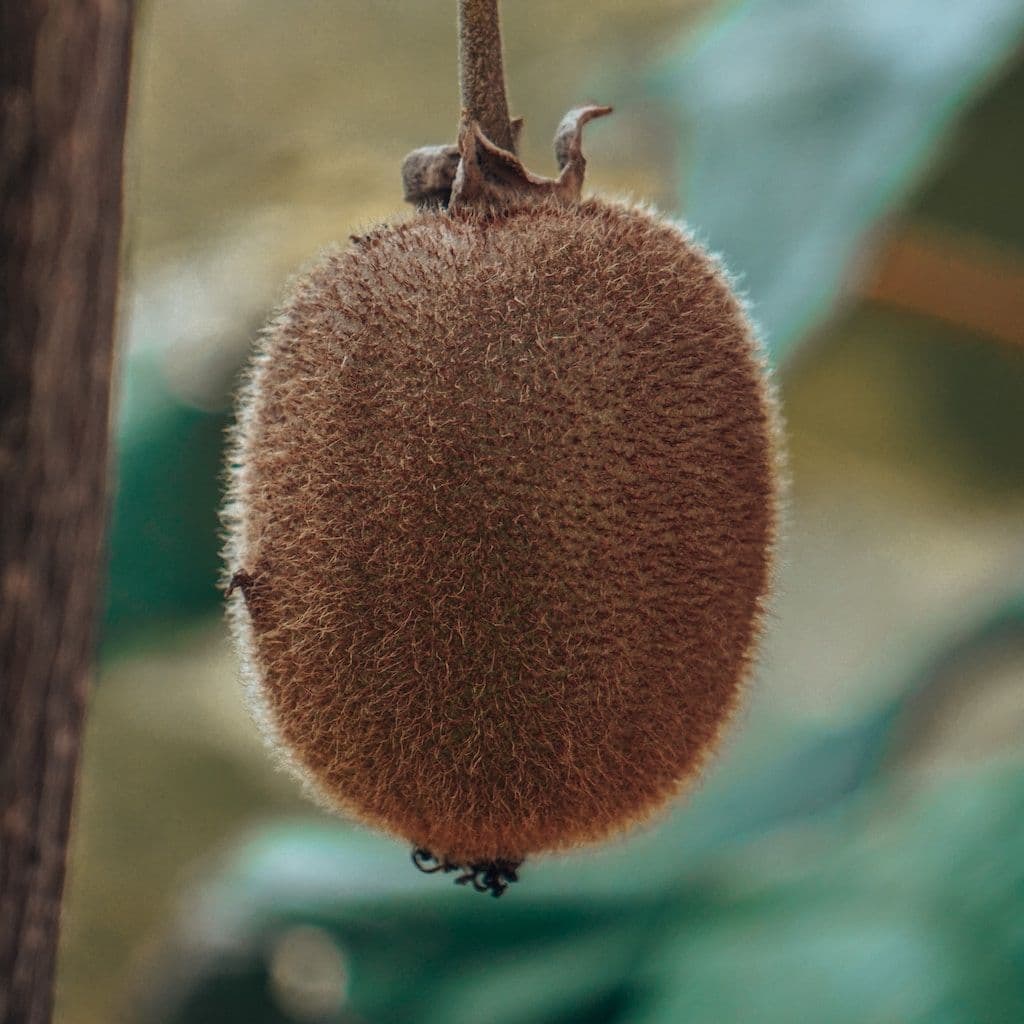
<point x="164" y="543"/>
<point x="803" y="122"/>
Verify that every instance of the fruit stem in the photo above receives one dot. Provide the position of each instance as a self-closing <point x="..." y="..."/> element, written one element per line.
<point x="481" y="72"/>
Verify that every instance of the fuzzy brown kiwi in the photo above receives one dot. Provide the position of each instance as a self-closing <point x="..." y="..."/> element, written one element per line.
<point x="502" y="513"/>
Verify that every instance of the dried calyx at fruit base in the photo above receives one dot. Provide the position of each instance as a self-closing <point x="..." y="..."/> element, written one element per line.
<point x="502" y="507"/>
<point x="478" y="173"/>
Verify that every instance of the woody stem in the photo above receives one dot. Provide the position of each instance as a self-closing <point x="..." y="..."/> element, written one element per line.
<point x="481" y="73"/>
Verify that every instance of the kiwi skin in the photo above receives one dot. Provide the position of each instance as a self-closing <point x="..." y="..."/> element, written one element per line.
<point x="504" y="493"/>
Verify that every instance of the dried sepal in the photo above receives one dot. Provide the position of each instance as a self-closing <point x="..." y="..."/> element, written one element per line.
<point x="478" y="172"/>
<point x="569" y="139"/>
<point x="428" y="173"/>
<point x="489" y="176"/>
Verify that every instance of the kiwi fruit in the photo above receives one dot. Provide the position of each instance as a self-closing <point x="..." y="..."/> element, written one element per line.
<point x="501" y="515"/>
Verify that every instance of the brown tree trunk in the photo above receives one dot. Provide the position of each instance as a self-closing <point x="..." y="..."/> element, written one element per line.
<point x="63" y="89"/>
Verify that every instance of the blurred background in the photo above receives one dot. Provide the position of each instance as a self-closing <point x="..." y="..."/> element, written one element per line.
<point x="856" y="849"/>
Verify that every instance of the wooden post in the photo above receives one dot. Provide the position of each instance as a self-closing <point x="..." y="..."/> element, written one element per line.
<point x="63" y="90"/>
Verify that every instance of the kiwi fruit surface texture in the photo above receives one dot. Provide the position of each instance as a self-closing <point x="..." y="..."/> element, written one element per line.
<point x="501" y="516"/>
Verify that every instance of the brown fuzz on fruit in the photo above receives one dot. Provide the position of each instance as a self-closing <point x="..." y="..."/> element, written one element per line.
<point x="502" y="513"/>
